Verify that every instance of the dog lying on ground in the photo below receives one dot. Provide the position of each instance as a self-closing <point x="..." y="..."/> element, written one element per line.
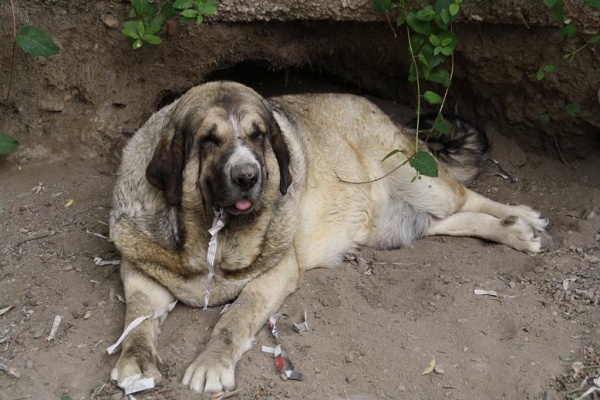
<point x="277" y="170"/>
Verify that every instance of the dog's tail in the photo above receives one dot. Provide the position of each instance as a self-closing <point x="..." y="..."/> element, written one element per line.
<point x="463" y="151"/>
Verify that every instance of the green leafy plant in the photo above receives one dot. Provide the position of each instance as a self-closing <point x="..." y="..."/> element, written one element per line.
<point x="147" y="20"/>
<point x="570" y="32"/>
<point x="431" y="44"/>
<point x="33" y="41"/>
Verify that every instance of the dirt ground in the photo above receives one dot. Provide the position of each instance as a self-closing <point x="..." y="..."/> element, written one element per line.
<point x="375" y="323"/>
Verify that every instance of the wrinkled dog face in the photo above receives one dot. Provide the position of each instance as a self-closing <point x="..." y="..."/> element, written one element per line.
<point x="228" y="127"/>
<point x="231" y="148"/>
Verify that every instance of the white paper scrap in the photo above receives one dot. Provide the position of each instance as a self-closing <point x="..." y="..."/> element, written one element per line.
<point x="485" y="292"/>
<point x="136" y="383"/>
<point x="139" y="320"/>
<point x="54" y="329"/>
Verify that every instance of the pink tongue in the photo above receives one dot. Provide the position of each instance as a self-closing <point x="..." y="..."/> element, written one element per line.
<point x="243" y="204"/>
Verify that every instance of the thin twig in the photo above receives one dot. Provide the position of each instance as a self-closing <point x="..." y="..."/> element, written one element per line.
<point x="13" y="62"/>
<point x="22" y="397"/>
<point x="9" y="345"/>
<point x="560" y="153"/>
<point x="34" y="238"/>
<point x="371" y="181"/>
<point x="387" y="14"/>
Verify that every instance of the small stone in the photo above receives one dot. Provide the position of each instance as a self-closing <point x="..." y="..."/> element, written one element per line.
<point x="29" y="364"/>
<point x="283" y="377"/>
<point x="78" y="313"/>
<point x="101" y="303"/>
<point x="87" y="315"/>
<point x="350" y="357"/>
<point x="494" y="189"/>
<point x="350" y="378"/>
<point x="30" y="294"/>
<point x="539" y="270"/>
<point x="579" y="250"/>
<point x="598" y="237"/>
<point x="550" y="395"/>
<point x="379" y="305"/>
<point x="401" y="388"/>
<point x="38" y="333"/>
<point x="446" y="279"/>
<point x="116" y="396"/>
<point x="110" y="21"/>
<point x="438" y="369"/>
<point x="512" y="284"/>
<point x="462" y="320"/>
<point x="51" y="105"/>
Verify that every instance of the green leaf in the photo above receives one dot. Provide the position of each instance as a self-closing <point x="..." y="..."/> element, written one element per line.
<point x="152" y="10"/>
<point x="432" y="97"/>
<point x="383" y="5"/>
<point x="35" y="41"/>
<point x="182" y="4"/>
<point x="594" y="39"/>
<point x="130" y="33"/>
<point x="445" y="16"/>
<point x="558" y="12"/>
<point x="130" y="25"/>
<point x="152" y="39"/>
<point x="7" y="143"/>
<point x="545" y="119"/>
<point x="573" y="109"/>
<point x="210" y="7"/>
<point x="425" y="14"/>
<point x="391" y="153"/>
<point x="593" y="3"/>
<point x="424" y="164"/>
<point x="141" y="29"/>
<point x="154" y="28"/>
<point x="199" y="19"/>
<point x="549" y="68"/>
<point x="400" y="20"/>
<point x="540" y="75"/>
<point x="441" y="4"/>
<point x="434" y="40"/>
<point x="137" y="44"/>
<point x="412" y="75"/>
<point x="189" y="13"/>
<point x="569" y="31"/>
<point x="186" y="20"/>
<point x="168" y="11"/>
<point x="131" y="13"/>
<point x="422" y="27"/>
<point x="442" y="125"/>
<point x="140" y="6"/>
<point x="416" y="42"/>
<point x="441" y="76"/>
<point x="437" y="51"/>
<point x="453" y="9"/>
<point x="65" y="397"/>
<point x="447" y="51"/>
<point x="550" y="3"/>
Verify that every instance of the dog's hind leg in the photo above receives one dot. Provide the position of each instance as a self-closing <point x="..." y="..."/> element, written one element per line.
<point x="144" y="296"/>
<point x="511" y="231"/>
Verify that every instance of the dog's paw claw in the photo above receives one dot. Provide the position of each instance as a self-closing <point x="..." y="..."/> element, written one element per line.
<point x="209" y="375"/>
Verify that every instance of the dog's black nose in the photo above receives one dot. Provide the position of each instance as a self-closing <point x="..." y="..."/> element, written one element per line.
<point x="244" y="176"/>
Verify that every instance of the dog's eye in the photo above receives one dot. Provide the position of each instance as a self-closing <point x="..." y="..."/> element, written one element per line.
<point x="212" y="140"/>
<point x="256" y="135"/>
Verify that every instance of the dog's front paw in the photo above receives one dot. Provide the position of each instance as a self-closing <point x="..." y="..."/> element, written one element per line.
<point x="532" y="217"/>
<point x="132" y="363"/>
<point x="210" y="373"/>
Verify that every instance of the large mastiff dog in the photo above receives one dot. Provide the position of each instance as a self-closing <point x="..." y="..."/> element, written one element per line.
<point x="278" y="169"/>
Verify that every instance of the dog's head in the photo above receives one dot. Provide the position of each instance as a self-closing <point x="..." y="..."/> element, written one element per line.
<point x="231" y="130"/>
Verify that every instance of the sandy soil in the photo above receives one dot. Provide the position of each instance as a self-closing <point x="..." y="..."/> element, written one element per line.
<point x="375" y="323"/>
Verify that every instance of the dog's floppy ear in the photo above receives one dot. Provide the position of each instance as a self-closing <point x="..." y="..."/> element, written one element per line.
<point x="282" y="154"/>
<point x="165" y="170"/>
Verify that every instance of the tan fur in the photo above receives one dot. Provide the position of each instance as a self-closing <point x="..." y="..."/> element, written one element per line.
<point x="161" y="229"/>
